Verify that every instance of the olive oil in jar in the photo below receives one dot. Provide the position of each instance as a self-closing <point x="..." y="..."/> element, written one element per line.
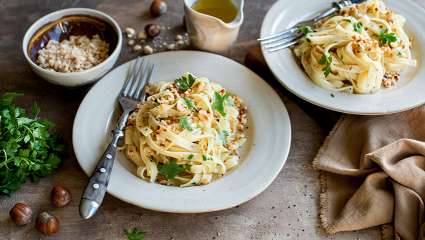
<point x="222" y="9"/>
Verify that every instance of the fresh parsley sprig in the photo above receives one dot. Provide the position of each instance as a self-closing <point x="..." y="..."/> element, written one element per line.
<point x="185" y="82"/>
<point x="326" y="60"/>
<point x="184" y="123"/>
<point x="170" y="170"/>
<point x="189" y="104"/>
<point x="134" y="234"/>
<point x="386" y="38"/>
<point x="358" y="27"/>
<point x="27" y="149"/>
<point x="219" y="101"/>
<point x="306" y="30"/>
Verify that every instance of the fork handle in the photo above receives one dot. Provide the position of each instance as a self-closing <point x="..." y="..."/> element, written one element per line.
<point x="336" y="7"/>
<point x="95" y="190"/>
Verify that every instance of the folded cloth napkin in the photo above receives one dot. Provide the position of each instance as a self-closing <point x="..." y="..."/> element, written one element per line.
<point x="373" y="174"/>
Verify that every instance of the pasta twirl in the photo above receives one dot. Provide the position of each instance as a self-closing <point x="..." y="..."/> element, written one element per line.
<point x="360" y="50"/>
<point x="186" y="133"/>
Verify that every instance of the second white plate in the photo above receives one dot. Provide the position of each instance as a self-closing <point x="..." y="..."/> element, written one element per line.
<point x="269" y="136"/>
<point x="407" y="94"/>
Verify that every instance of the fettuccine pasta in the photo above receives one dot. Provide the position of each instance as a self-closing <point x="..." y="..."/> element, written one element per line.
<point x="360" y="50"/>
<point x="186" y="133"/>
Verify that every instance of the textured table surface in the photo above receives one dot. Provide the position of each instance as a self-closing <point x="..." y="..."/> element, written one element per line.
<point x="285" y="210"/>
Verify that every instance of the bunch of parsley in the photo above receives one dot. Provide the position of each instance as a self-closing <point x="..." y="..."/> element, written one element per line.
<point x="27" y="149"/>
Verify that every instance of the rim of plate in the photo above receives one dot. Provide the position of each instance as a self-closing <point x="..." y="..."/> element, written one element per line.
<point x="184" y="202"/>
<point x="285" y="13"/>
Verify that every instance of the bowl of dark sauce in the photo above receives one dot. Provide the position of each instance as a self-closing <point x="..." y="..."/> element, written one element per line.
<point x="61" y="25"/>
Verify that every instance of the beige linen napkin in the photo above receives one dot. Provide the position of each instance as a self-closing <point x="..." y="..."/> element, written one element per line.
<point x="373" y="174"/>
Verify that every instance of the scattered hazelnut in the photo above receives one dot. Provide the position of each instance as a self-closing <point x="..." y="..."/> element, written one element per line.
<point x="158" y="7"/>
<point x="60" y="196"/>
<point x="141" y="35"/>
<point x="147" y="50"/>
<point x="130" y="36"/>
<point x="179" y="37"/>
<point x="46" y="223"/>
<point x="130" y="31"/>
<point x="153" y="30"/>
<point x="137" y="48"/>
<point x="21" y="214"/>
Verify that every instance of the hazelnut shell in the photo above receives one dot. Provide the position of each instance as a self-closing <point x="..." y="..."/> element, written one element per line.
<point x="47" y="224"/>
<point x="60" y="196"/>
<point x="158" y="7"/>
<point x="21" y="214"/>
<point x="152" y="30"/>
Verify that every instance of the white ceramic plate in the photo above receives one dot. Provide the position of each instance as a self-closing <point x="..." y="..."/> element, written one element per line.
<point x="263" y="157"/>
<point x="407" y="94"/>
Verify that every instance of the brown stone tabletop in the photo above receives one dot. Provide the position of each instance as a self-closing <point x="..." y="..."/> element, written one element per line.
<point x="286" y="210"/>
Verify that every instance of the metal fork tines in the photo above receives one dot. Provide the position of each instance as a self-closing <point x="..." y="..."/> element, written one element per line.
<point x="132" y="92"/>
<point x="293" y="35"/>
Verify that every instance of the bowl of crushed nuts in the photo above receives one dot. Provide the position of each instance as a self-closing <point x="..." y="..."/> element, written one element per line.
<point x="73" y="47"/>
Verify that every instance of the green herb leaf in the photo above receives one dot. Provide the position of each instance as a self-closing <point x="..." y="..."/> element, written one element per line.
<point x="347" y="20"/>
<point x="206" y="158"/>
<point x="134" y="234"/>
<point x="387" y="38"/>
<point x="326" y="60"/>
<point x="27" y="149"/>
<point x="358" y="27"/>
<point x="190" y="157"/>
<point x="185" y="82"/>
<point x="219" y="101"/>
<point x="306" y="30"/>
<point x="189" y="104"/>
<point x="170" y="170"/>
<point x="184" y="123"/>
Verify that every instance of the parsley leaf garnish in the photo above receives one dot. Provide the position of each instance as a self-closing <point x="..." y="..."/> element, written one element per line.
<point x="184" y="123"/>
<point x="206" y="158"/>
<point x="134" y="234"/>
<point x="326" y="60"/>
<point x="190" y="157"/>
<point x="170" y="170"/>
<point x="347" y="20"/>
<point x="189" y="104"/>
<point x="27" y="149"/>
<point x="358" y="27"/>
<point x="306" y="30"/>
<point x="185" y="82"/>
<point x="386" y="38"/>
<point x="219" y="101"/>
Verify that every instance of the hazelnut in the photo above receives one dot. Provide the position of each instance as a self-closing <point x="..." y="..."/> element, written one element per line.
<point x="153" y="30"/>
<point x="130" y="31"/>
<point x="137" y="48"/>
<point x="21" y="214"/>
<point x="60" y="196"/>
<point x="47" y="224"/>
<point x="147" y="50"/>
<point x="158" y="7"/>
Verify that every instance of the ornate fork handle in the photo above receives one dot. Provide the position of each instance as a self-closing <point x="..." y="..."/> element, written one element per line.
<point x="95" y="191"/>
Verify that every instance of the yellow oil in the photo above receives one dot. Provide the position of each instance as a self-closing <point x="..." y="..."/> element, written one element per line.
<point x="222" y="9"/>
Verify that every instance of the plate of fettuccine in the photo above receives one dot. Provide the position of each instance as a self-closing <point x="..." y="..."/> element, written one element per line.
<point x="202" y="140"/>
<point x="366" y="59"/>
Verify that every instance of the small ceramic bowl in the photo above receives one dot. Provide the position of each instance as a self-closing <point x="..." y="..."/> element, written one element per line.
<point x="60" y="25"/>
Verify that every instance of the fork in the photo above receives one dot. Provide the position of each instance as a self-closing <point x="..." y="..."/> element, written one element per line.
<point x="293" y="35"/>
<point x="132" y="92"/>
